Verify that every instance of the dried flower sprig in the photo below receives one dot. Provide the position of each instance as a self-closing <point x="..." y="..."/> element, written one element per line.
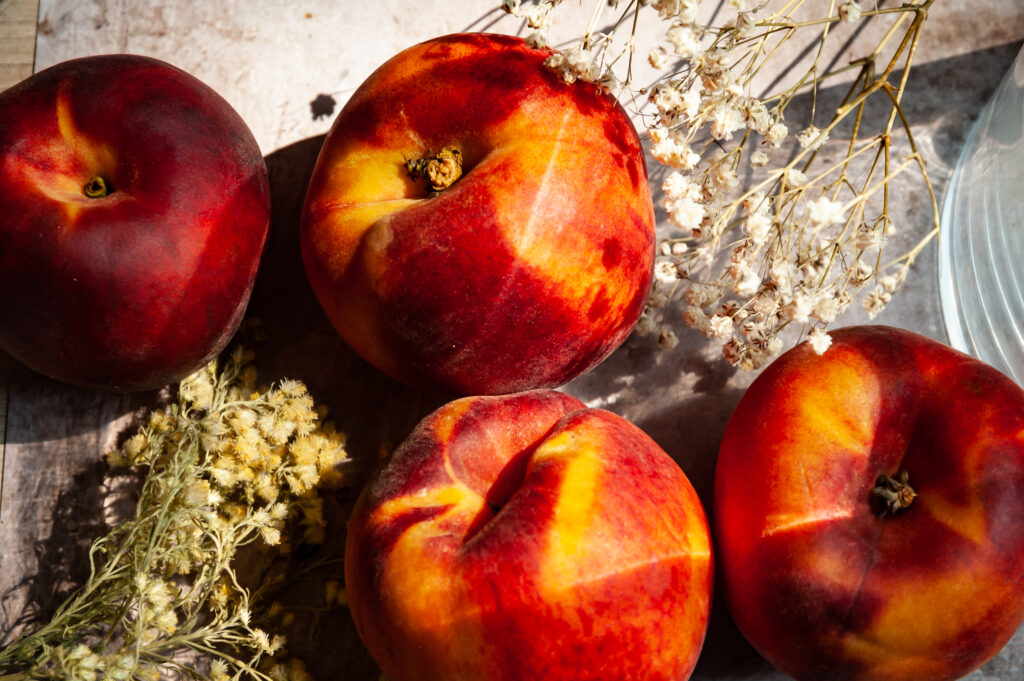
<point x="794" y="244"/>
<point x="227" y="465"/>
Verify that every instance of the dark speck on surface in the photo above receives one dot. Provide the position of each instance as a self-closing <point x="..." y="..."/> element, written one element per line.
<point x="323" y="106"/>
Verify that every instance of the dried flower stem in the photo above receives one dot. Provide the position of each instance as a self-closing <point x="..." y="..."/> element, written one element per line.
<point x="227" y="465"/>
<point x="800" y="241"/>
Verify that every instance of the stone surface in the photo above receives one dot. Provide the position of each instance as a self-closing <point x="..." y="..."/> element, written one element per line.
<point x="288" y="67"/>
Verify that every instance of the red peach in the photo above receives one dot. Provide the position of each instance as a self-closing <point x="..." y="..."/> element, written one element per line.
<point x="527" y="537"/>
<point x="528" y="270"/>
<point x="831" y="566"/>
<point x="135" y="207"/>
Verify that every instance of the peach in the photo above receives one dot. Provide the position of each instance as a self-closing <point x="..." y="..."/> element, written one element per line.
<point x="475" y="225"/>
<point x="528" y="537"/>
<point x="869" y="510"/>
<point x="135" y="207"/>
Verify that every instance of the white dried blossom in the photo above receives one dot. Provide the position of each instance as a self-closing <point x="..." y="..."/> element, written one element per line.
<point x="861" y="272"/>
<point x="705" y="254"/>
<point x="679" y="247"/>
<point x="755" y="202"/>
<point x="556" y="62"/>
<point x="742" y="254"/>
<point x="537" y="40"/>
<point x="669" y="101"/>
<point x="756" y="115"/>
<point x="677" y="186"/>
<point x="758" y="226"/>
<point x="819" y="340"/>
<point x="796" y="178"/>
<point x="736" y="4"/>
<point x="701" y="295"/>
<point x="764" y="304"/>
<point x="745" y="24"/>
<point x="685" y="40"/>
<point x="869" y="238"/>
<point x="823" y="211"/>
<point x="695" y="318"/>
<point x="875" y="302"/>
<point x="683" y="10"/>
<point x="675" y="153"/>
<point x="849" y="11"/>
<point x="799" y="308"/>
<point x="716" y="75"/>
<point x="511" y="6"/>
<point x="781" y="274"/>
<point x="657" y="58"/>
<point x="811" y="137"/>
<point x="889" y="283"/>
<point x="720" y="327"/>
<point x="775" y="135"/>
<point x="665" y="272"/>
<point x="731" y="308"/>
<point x="753" y="331"/>
<point x="685" y="213"/>
<point x="608" y="82"/>
<point x="809" y="272"/>
<point x="760" y="158"/>
<point x="726" y="119"/>
<point x="773" y="346"/>
<point x="826" y="308"/>
<point x="749" y="282"/>
<point x="577" y="63"/>
<point x="691" y="101"/>
<point x="580" y="61"/>
<point x="723" y="176"/>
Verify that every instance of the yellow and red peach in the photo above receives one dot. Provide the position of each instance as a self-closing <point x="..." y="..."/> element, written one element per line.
<point x="135" y="206"/>
<point x="528" y="537"/>
<point x="869" y="510"/>
<point x="526" y="271"/>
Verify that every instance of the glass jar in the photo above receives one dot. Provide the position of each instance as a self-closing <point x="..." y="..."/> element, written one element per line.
<point x="981" y="245"/>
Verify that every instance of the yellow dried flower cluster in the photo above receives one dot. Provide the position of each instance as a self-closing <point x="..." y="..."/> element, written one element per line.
<point x="227" y="464"/>
<point x="791" y="245"/>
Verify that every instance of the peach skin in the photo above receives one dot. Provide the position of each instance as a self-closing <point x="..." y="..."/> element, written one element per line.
<point x="475" y="225"/>
<point x="869" y="510"/>
<point x="135" y="205"/>
<point x="528" y="537"/>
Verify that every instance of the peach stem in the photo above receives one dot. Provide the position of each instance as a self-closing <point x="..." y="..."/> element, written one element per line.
<point x="896" y="492"/>
<point x="96" y="188"/>
<point x="441" y="170"/>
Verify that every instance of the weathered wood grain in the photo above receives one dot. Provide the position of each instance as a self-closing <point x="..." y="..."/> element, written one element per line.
<point x="272" y="61"/>
<point x="54" y="497"/>
<point x="17" y="40"/>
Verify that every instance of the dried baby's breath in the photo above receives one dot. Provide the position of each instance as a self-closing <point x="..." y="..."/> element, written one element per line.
<point x="770" y="231"/>
<point x="227" y="465"/>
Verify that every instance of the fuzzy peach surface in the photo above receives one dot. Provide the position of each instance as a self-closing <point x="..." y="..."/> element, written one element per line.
<point x="819" y="582"/>
<point x="142" y="285"/>
<point x="527" y="271"/>
<point x="528" y="537"/>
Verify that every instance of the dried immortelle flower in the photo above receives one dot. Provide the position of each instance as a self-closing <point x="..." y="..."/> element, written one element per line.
<point x="788" y="246"/>
<point x="228" y="464"/>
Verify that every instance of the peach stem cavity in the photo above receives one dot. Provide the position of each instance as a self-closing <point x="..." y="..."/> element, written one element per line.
<point x="895" y="492"/>
<point x="441" y="170"/>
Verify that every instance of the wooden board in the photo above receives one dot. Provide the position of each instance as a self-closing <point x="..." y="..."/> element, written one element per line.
<point x="18" y="40"/>
<point x="273" y="61"/>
